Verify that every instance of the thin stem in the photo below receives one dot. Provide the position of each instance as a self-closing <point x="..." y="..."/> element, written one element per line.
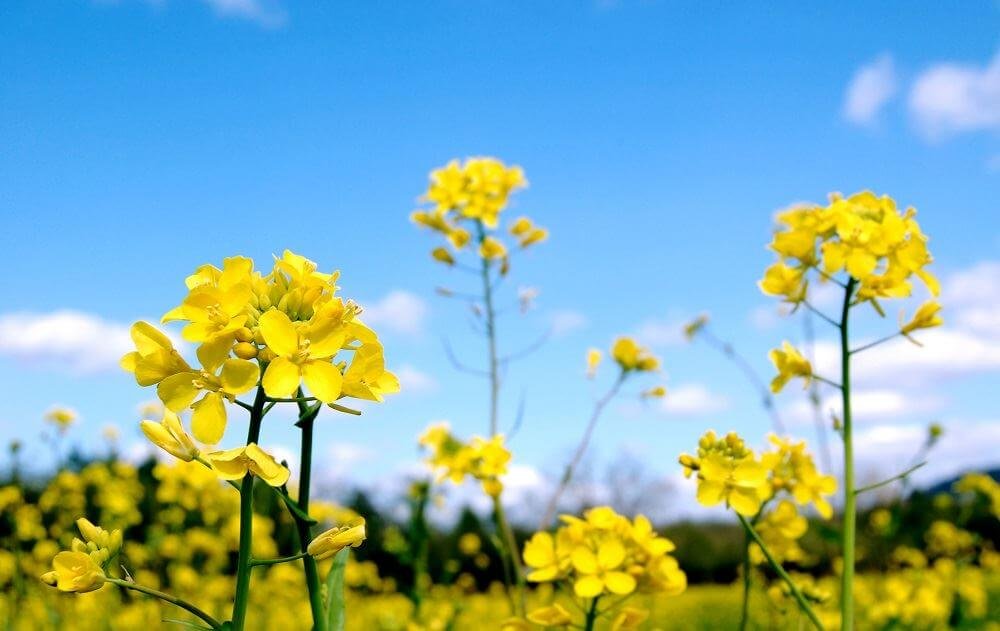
<point x="515" y="558"/>
<point x="898" y="476"/>
<point x="553" y="505"/>
<point x="591" y="619"/>
<point x="288" y="559"/>
<point x="850" y="497"/>
<point x="491" y="334"/>
<point x="882" y="340"/>
<point x="814" y="398"/>
<point x="243" y="566"/>
<point x="829" y="382"/>
<point x="745" y="612"/>
<point x="822" y="315"/>
<point x="291" y="399"/>
<point x="308" y="417"/>
<point x="730" y="352"/>
<point x="173" y="600"/>
<point x="796" y="592"/>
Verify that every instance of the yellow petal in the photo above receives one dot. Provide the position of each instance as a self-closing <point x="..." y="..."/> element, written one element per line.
<point x="584" y="560"/>
<point x="212" y="353"/>
<point x="281" y="378"/>
<point x="239" y="375"/>
<point x="588" y="586"/>
<point x="279" y="333"/>
<point x="229" y="464"/>
<point x="323" y="380"/>
<point x="610" y="554"/>
<point x="744" y="501"/>
<point x="178" y="391"/>
<point x="265" y="466"/>
<point x="208" y="422"/>
<point x="148" y="338"/>
<point x="709" y="492"/>
<point x="620" y="583"/>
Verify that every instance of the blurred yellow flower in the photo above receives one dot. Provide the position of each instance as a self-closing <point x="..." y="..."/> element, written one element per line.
<point x="74" y="572"/>
<point x="790" y="364"/>
<point x="233" y="464"/>
<point x="554" y="615"/>
<point x="336" y="539"/>
<point x="169" y="435"/>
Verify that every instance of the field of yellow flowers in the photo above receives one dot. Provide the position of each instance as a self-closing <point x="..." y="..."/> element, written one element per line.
<point x="222" y="536"/>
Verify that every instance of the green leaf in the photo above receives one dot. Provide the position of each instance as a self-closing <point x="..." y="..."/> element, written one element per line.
<point x="185" y="623"/>
<point x="335" y="606"/>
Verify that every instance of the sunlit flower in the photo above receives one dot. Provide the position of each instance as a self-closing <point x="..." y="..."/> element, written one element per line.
<point x="169" y="435"/>
<point x="336" y="539"/>
<point x="233" y="464"/>
<point x="790" y="364"/>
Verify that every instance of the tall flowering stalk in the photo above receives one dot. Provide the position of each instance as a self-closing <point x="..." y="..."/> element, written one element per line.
<point x="631" y="359"/>
<point x="872" y="251"/>
<point x="464" y="203"/>
<point x="284" y="337"/>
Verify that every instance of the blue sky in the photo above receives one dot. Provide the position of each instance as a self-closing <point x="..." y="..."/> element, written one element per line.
<point x="141" y="139"/>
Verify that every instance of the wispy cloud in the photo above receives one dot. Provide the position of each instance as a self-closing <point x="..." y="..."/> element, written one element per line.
<point x="412" y="380"/>
<point x="951" y="98"/>
<point x="266" y="13"/>
<point x="398" y="311"/>
<point x="693" y="399"/>
<point x="70" y="340"/>
<point x="871" y="88"/>
<point x="567" y="321"/>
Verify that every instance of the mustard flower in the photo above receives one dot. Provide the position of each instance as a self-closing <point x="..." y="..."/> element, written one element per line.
<point x="302" y="354"/>
<point x="61" y="417"/>
<point x="629" y="618"/>
<point x="208" y="421"/>
<point x="926" y="317"/>
<point x="74" y="572"/>
<point x="631" y="356"/>
<point x="741" y="483"/>
<point x="601" y="571"/>
<point x="442" y="255"/>
<point x="790" y="364"/>
<point x="336" y="539"/>
<point x="593" y="361"/>
<point x="233" y="464"/>
<point x="491" y="248"/>
<point x="554" y="615"/>
<point x="366" y="377"/>
<point x="169" y="435"/>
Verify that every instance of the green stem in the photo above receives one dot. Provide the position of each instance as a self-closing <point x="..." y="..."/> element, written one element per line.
<point x="850" y="497"/>
<point x="796" y="592"/>
<point x="308" y="416"/>
<point x="294" y="557"/>
<point x="745" y="612"/>
<point x="588" y="624"/>
<point x="243" y="566"/>
<point x="491" y="334"/>
<point x="515" y="558"/>
<point x="173" y="600"/>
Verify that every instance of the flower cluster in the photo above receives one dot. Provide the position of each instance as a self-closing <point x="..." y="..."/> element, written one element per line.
<point x="603" y="554"/>
<point x="82" y="568"/>
<point x="728" y="471"/>
<point x="466" y="200"/>
<point x="481" y="459"/>
<point x="864" y="235"/>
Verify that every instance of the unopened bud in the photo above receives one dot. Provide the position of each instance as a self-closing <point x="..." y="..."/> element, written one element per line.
<point x="243" y="334"/>
<point x="245" y="350"/>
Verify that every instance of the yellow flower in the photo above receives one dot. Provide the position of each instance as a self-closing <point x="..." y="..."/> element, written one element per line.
<point x="593" y="361"/>
<point x="780" y="529"/>
<point x="811" y="486"/>
<point x="491" y="248"/>
<point x="62" y="417"/>
<point x="926" y="317"/>
<point x="74" y="572"/>
<point x="514" y="624"/>
<point x="540" y="554"/>
<point x="629" y="618"/>
<point x="554" y="615"/>
<point x="442" y="255"/>
<point x="782" y="280"/>
<point x="302" y="354"/>
<point x="366" y="378"/>
<point x="469" y="544"/>
<point x="215" y="307"/>
<point x="169" y="435"/>
<point x="601" y="572"/>
<point x="155" y="357"/>
<point x="656" y="392"/>
<point x="208" y="421"/>
<point x="336" y="539"/>
<point x="790" y="364"/>
<point x="630" y="356"/>
<point x="741" y="483"/>
<point x="233" y="464"/>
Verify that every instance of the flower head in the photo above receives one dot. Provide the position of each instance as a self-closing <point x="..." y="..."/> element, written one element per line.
<point x="336" y="539"/>
<point x="790" y="364"/>
<point x="169" y="435"/>
<point x="233" y="464"/>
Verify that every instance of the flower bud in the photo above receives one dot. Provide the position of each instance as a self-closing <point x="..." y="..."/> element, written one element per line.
<point x="244" y="334"/>
<point x="245" y="350"/>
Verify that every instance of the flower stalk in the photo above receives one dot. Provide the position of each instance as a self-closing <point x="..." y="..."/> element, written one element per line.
<point x="849" y="526"/>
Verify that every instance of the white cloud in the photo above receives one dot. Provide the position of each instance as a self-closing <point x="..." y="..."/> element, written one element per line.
<point x="415" y="381"/>
<point x="692" y="399"/>
<point x="265" y="13"/>
<point x="867" y="405"/>
<point x="871" y="88"/>
<point x="567" y="321"/>
<point x="73" y="340"/>
<point x="662" y="332"/>
<point x="950" y="98"/>
<point x="398" y="311"/>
